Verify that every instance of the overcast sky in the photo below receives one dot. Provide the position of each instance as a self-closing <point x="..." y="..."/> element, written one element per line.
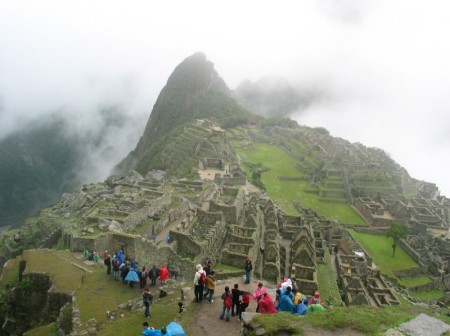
<point x="383" y="67"/>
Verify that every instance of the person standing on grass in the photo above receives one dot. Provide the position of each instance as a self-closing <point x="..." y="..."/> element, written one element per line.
<point x="248" y="269"/>
<point x="153" y="275"/>
<point x="107" y="262"/>
<point x="147" y="299"/>
<point x="163" y="275"/>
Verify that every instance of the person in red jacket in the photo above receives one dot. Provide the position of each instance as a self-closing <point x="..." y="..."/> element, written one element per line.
<point x="244" y="303"/>
<point x="163" y="275"/>
<point x="266" y="305"/>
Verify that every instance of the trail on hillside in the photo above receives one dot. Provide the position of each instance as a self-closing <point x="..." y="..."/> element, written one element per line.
<point x="207" y="321"/>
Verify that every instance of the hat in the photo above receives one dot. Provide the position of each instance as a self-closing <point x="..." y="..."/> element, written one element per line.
<point x="316" y="294"/>
<point x="198" y="266"/>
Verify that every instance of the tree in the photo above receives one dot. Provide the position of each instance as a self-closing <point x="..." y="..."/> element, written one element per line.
<point x="397" y="231"/>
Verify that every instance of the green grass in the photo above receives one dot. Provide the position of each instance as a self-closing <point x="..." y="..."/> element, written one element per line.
<point x="365" y="319"/>
<point x="223" y="267"/>
<point x="410" y="282"/>
<point x="101" y="289"/>
<point x="380" y="249"/>
<point x="161" y="314"/>
<point x="285" y="193"/>
<point x="10" y="272"/>
<point x="328" y="288"/>
<point x="47" y="330"/>
<point x="59" y="265"/>
<point x="428" y="295"/>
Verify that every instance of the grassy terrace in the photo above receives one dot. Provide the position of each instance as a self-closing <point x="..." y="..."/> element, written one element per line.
<point x="285" y="193"/>
<point x="328" y="288"/>
<point x="380" y="249"/>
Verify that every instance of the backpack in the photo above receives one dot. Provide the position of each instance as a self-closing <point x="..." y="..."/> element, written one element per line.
<point x="227" y="301"/>
<point x="202" y="279"/>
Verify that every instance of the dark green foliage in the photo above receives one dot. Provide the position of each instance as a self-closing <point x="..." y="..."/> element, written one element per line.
<point x="397" y="231"/>
<point x="37" y="166"/>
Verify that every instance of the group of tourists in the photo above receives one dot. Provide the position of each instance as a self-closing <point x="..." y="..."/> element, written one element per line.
<point x="288" y="299"/>
<point x="122" y="268"/>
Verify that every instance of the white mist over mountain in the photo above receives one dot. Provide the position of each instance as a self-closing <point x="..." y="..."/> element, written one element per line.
<point x="379" y="71"/>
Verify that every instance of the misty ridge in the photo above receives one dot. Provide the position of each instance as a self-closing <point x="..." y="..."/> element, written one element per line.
<point x="47" y="155"/>
<point x="58" y="152"/>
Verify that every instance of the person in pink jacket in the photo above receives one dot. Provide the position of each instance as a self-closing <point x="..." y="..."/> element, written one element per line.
<point x="163" y="275"/>
<point x="258" y="294"/>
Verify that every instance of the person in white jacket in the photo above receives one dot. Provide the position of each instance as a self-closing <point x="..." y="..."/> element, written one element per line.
<point x="198" y="284"/>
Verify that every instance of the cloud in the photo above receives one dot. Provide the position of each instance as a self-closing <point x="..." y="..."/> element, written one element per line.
<point x="379" y="71"/>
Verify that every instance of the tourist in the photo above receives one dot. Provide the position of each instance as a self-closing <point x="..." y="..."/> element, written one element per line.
<point x="294" y="285"/>
<point x="286" y="304"/>
<point x="147" y="299"/>
<point x="316" y="296"/>
<point x="299" y="298"/>
<point x="153" y="275"/>
<point x="95" y="256"/>
<point x="198" y="283"/>
<point x="315" y="307"/>
<point x="227" y="303"/>
<point x="115" y="268"/>
<point x="86" y="253"/>
<point x="107" y="262"/>
<point x="211" y="285"/>
<point x="150" y="331"/>
<point x="302" y="307"/>
<point x="248" y="269"/>
<point x="258" y="294"/>
<point x="120" y="256"/>
<point x="244" y="303"/>
<point x="208" y="267"/>
<point x="163" y="275"/>
<point x="132" y="277"/>
<point x="236" y="293"/>
<point x="266" y="305"/>
<point x="124" y="270"/>
<point x="142" y="277"/>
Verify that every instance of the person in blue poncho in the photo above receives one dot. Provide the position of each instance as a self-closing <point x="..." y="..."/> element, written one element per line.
<point x="286" y="304"/>
<point x="132" y="277"/>
<point x="302" y="307"/>
<point x="150" y="331"/>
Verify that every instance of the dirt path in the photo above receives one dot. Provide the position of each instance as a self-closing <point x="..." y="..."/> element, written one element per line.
<point x="208" y="323"/>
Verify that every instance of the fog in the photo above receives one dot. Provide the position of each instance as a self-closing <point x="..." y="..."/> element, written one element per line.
<point x="379" y="70"/>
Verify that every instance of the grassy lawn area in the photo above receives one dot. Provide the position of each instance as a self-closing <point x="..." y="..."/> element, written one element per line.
<point x="10" y="272"/>
<point x="380" y="249"/>
<point x="47" y="330"/>
<point x="59" y="265"/>
<point x="162" y="312"/>
<point x="328" y="288"/>
<point x="428" y="295"/>
<point x="285" y="193"/>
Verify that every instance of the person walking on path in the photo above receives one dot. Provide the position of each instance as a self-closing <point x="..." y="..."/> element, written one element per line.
<point x="248" y="269"/>
<point x="198" y="283"/>
<point x="153" y="275"/>
<point x="236" y="293"/>
<point x="227" y="303"/>
<point x="163" y="275"/>
<point x="147" y="299"/>
<point x="211" y="285"/>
